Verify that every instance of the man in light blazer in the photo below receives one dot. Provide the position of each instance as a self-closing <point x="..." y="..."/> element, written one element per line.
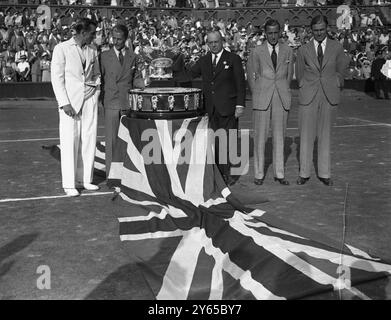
<point x="270" y="71"/>
<point x="320" y="68"/>
<point x="119" y="75"/>
<point x="75" y="79"/>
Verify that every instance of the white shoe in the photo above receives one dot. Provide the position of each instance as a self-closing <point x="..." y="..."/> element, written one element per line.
<point x="90" y="186"/>
<point x="71" y="192"/>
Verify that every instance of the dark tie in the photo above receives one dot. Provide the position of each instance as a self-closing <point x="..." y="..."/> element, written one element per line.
<point x="320" y="53"/>
<point x="274" y="57"/>
<point x="121" y="58"/>
<point x="214" y="62"/>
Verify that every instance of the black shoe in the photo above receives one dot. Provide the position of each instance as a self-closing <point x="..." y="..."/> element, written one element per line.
<point x="258" y="182"/>
<point x="230" y="181"/>
<point x="326" y="181"/>
<point x="302" y="180"/>
<point x="282" y="181"/>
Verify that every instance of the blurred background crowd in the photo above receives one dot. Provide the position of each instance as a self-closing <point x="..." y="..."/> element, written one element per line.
<point x="26" y="47"/>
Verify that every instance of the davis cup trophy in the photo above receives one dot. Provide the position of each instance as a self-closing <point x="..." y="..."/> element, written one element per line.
<point x="164" y="102"/>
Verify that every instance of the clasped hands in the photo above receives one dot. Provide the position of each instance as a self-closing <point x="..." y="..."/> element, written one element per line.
<point x="69" y="111"/>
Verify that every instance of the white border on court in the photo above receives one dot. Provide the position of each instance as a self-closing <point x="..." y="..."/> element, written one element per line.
<point x="55" y="197"/>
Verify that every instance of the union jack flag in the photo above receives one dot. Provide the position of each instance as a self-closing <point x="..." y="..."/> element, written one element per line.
<point x="195" y="240"/>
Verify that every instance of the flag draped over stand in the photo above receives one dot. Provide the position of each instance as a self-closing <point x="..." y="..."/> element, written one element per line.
<point x="195" y="240"/>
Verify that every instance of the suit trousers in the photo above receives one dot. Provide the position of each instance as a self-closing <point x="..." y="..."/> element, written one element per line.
<point x="315" y="120"/>
<point x="223" y="140"/>
<point x="380" y="85"/>
<point x="261" y="119"/>
<point x="78" y="144"/>
<point x="112" y="120"/>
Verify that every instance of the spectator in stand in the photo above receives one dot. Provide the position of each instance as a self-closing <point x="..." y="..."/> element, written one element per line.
<point x="8" y="72"/>
<point x="36" y="74"/>
<point x="53" y="39"/>
<point x="23" y="69"/>
<point x="45" y="65"/>
<point x="377" y="76"/>
<point x="9" y="20"/>
<point x="384" y="38"/>
<point x="19" y="53"/>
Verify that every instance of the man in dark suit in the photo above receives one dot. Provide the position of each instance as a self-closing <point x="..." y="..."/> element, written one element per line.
<point x="119" y="75"/>
<point x="378" y="77"/>
<point x="320" y="68"/>
<point x="223" y="86"/>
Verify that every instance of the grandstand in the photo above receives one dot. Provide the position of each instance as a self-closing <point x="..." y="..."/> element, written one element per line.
<point x="32" y="29"/>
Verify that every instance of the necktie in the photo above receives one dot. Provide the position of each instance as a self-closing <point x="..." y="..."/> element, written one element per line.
<point x="121" y="58"/>
<point x="320" y="53"/>
<point x="274" y="57"/>
<point x="214" y="62"/>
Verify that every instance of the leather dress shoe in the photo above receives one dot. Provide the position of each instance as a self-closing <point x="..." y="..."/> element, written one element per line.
<point x="71" y="192"/>
<point x="258" y="182"/>
<point x="230" y="180"/>
<point x="282" y="181"/>
<point x="302" y="180"/>
<point x="326" y="181"/>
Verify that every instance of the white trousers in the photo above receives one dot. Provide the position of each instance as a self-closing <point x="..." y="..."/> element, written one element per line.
<point x="78" y="144"/>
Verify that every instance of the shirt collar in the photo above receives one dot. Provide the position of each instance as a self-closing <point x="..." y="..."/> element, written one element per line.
<point x="117" y="52"/>
<point x="218" y="55"/>
<point x="323" y="42"/>
<point x="271" y="47"/>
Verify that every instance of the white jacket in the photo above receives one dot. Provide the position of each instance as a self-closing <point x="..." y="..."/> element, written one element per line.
<point x="67" y="74"/>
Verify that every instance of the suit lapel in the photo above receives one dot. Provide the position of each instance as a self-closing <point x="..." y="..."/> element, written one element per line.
<point x="127" y="62"/>
<point x="267" y="55"/>
<point x="312" y="53"/>
<point x="281" y="53"/>
<point x="77" y="53"/>
<point x="327" y="54"/>
<point x="220" y="64"/>
<point x="115" y="63"/>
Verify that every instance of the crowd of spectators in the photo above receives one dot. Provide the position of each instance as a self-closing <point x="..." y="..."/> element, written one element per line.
<point x="26" y="47"/>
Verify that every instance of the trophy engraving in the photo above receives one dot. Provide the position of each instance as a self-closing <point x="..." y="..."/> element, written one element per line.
<point x="196" y="101"/>
<point x="186" y="100"/>
<point x="154" y="100"/>
<point x="171" y="101"/>
<point x="140" y="102"/>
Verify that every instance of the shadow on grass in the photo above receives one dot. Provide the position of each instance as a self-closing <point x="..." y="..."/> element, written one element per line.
<point x="13" y="247"/>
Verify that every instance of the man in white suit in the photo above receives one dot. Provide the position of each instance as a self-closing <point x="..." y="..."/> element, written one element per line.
<point x="75" y="79"/>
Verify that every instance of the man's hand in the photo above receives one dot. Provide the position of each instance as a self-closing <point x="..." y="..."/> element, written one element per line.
<point x="69" y="111"/>
<point x="239" y="111"/>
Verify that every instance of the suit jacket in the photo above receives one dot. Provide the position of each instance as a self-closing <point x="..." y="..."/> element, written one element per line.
<point x="329" y="78"/>
<point x="264" y="81"/>
<point x="376" y="67"/>
<point x="67" y="73"/>
<point x="117" y="80"/>
<point x="226" y="88"/>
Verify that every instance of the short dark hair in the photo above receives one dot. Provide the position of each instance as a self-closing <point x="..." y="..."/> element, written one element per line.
<point x="83" y="24"/>
<point x="272" y="23"/>
<point x="121" y="28"/>
<point x="319" y="19"/>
